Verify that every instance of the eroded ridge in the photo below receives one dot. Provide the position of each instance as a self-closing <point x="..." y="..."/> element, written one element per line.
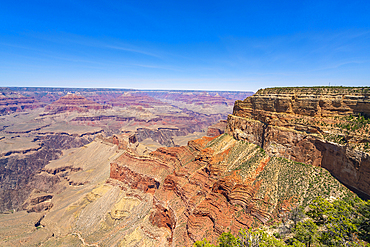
<point x="217" y="184"/>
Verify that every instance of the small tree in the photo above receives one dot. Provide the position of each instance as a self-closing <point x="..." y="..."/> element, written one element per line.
<point x="203" y="243"/>
<point x="228" y="240"/>
<point x="306" y="232"/>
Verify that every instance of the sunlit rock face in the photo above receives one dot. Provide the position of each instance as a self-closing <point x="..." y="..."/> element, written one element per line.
<point x="217" y="184"/>
<point x="318" y="126"/>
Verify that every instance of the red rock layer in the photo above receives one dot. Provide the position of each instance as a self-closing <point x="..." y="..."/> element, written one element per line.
<point x="73" y="102"/>
<point x="211" y="186"/>
<point x="133" y="179"/>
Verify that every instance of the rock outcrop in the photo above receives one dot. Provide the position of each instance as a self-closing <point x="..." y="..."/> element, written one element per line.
<point x="327" y="127"/>
<point x="115" y="192"/>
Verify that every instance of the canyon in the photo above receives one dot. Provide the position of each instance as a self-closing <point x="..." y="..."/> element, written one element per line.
<point x="132" y="174"/>
<point x="38" y="124"/>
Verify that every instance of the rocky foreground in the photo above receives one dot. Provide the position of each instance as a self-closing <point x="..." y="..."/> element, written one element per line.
<point x="112" y="192"/>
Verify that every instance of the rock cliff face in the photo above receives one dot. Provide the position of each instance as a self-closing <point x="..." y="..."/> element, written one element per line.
<point x="327" y="127"/>
<point x="115" y="192"/>
<point x="217" y="128"/>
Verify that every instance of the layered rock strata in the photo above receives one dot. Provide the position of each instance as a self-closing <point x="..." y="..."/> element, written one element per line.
<point x="219" y="184"/>
<point x="74" y="102"/>
<point x="135" y="99"/>
<point x="16" y="103"/>
<point x="170" y="197"/>
<point x="327" y="127"/>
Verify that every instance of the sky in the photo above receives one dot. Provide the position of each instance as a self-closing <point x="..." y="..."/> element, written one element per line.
<point x="199" y="45"/>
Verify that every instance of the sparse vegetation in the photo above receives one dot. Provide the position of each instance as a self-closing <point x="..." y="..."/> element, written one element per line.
<point x="341" y="222"/>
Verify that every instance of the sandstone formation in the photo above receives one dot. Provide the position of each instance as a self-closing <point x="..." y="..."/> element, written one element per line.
<point x="73" y="102"/>
<point x="327" y="127"/>
<point x="161" y="128"/>
<point x="83" y="206"/>
<point x="170" y="197"/>
<point x="30" y="139"/>
<point x="199" y="98"/>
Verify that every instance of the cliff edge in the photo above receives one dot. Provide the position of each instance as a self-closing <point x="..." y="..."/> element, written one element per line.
<point x="321" y="126"/>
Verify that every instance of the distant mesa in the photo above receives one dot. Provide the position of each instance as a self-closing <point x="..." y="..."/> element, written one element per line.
<point x="74" y="102"/>
<point x="199" y="98"/>
<point x="49" y="98"/>
<point x="135" y="99"/>
<point x="14" y="102"/>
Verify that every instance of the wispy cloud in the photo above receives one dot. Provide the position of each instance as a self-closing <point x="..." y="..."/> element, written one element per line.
<point x="132" y="50"/>
<point x="158" y="67"/>
<point x="66" y="39"/>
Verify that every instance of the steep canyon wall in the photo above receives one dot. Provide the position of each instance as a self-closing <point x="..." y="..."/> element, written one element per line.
<point x="326" y="127"/>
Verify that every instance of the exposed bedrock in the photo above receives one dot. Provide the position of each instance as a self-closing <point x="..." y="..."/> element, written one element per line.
<point x="309" y="126"/>
<point x="177" y="125"/>
<point x="217" y="128"/>
<point x="133" y="179"/>
<point x="219" y="184"/>
<point x="163" y="217"/>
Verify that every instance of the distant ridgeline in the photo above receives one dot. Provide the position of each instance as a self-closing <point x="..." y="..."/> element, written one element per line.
<point x="322" y="126"/>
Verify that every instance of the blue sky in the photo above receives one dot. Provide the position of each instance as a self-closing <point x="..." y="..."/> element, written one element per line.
<point x="210" y="45"/>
